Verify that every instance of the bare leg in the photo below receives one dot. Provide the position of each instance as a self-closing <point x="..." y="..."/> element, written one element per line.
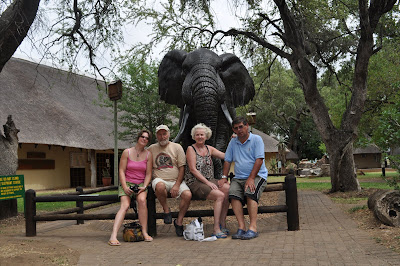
<point x="119" y="217"/>
<point x="225" y="205"/>
<point x="238" y="210"/>
<point x="186" y="196"/>
<point x="252" y="207"/>
<point x="218" y="196"/>
<point x="142" y="211"/>
<point x="161" y="194"/>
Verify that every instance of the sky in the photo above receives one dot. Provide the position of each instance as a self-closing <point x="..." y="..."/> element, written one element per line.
<point x="132" y="34"/>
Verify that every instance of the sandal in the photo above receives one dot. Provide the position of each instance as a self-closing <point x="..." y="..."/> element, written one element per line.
<point x="225" y="230"/>
<point x="220" y="235"/>
<point x="148" y="239"/>
<point x="114" y="243"/>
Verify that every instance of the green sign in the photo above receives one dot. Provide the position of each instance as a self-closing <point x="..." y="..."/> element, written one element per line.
<point x="12" y="187"/>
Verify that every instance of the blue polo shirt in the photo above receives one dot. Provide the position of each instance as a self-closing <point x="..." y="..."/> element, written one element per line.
<point x="245" y="155"/>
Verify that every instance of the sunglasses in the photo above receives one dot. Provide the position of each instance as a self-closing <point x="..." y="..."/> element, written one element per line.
<point x="238" y="127"/>
<point x="144" y="137"/>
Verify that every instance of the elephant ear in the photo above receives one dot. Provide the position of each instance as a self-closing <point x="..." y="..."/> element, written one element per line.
<point x="237" y="79"/>
<point x="170" y="78"/>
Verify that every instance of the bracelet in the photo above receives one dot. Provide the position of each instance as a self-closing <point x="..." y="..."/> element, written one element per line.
<point x="224" y="177"/>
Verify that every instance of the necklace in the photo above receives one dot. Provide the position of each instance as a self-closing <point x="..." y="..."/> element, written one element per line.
<point x="138" y="153"/>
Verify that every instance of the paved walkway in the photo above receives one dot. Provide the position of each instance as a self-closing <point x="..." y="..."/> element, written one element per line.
<point x="326" y="237"/>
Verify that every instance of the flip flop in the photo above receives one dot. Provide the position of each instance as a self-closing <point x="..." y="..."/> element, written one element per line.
<point x="220" y="235"/>
<point x="148" y="239"/>
<point x="114" y="243"/>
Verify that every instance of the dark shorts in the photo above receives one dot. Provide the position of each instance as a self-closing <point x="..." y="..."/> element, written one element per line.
<point x="236" y="190"/>
<point x="200" y="190"/>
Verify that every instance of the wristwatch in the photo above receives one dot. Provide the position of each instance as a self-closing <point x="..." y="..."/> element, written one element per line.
<point x="224" y="177"/>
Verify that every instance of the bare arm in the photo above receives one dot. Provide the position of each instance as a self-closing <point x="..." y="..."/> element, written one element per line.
<point x="122" y="169"/>
<point x="253" y="174"/>
<point x="149" y="171"/>
<point x="216" y="153"/>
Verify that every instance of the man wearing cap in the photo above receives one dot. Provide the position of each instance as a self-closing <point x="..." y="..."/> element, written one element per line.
<point x="169" y="162"/>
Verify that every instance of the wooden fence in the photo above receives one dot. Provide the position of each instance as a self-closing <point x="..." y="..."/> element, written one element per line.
<point x="77" y="213"/>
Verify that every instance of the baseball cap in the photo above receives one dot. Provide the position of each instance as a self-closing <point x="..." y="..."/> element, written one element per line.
<point x="162" y="127"/>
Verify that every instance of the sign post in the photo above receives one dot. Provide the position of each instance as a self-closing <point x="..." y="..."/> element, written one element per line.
<point x="12" y="187"/>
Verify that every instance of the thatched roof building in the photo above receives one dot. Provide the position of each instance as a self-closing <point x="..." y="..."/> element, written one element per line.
<point x="54" y="107"/>
<point x="270" y="144"/>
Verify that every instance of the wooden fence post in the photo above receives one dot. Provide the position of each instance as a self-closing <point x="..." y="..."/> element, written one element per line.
<point x="292" y="203"/>
<point x="151" y="211"/>
<point x="30" y="213"/>
<point x="79" y="204"/>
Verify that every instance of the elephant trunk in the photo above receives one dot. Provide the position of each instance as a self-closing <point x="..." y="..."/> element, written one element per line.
<point x="206" y="97"/>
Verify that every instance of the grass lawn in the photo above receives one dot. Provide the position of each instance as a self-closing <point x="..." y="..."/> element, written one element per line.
<point x="54" y="206"/>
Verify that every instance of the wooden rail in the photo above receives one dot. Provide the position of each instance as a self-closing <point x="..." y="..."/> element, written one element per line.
<point x="77" y="213"/>
<point x="291" y="207"/>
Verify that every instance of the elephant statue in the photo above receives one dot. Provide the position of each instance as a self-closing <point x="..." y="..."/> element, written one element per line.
<point x="207" y="88"/>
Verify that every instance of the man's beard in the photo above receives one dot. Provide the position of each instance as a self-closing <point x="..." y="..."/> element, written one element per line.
<point x="163" y="142"/>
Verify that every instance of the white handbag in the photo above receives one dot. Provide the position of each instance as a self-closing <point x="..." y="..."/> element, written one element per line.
<point x="194" y="230"/>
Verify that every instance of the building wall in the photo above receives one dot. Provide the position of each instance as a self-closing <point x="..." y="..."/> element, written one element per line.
<point x="59" y="177"/>
<point x="367" y="160"/>
<point x="65" y="161"/>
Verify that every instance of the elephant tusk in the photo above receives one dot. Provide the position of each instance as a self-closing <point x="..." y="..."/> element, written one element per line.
<point x="226" y="113"/>
<point x="185" y="117"/>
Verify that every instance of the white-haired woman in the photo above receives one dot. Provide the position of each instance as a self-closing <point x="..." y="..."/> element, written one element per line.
<point x="199" y="176"/>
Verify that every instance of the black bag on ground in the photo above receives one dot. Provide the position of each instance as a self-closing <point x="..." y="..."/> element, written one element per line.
<point x="133" y="232"/>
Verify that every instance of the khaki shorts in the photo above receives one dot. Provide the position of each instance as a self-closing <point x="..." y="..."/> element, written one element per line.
<point x="236" y="190"/>
<point x="200" y="190"/>
<point x="121" y="191"/>
<point x="169" y="185"/>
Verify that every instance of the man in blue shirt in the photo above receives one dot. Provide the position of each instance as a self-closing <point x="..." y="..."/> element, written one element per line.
<point x="247" y="151"/>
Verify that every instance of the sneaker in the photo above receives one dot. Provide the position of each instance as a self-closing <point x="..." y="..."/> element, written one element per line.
<point x="178" y="229"/>
<point x="168" y="217"/>
<point x="239" y="234"/>
<point x="250" y="234"/>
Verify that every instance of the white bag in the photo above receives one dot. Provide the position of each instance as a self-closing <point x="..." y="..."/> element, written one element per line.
<point x="194" y="230"/>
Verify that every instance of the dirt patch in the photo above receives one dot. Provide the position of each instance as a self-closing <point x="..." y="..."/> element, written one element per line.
<point x="358" y="211"/>
<point x="16" y="249"/>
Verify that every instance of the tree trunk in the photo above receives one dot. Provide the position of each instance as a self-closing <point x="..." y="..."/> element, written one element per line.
<point x="342" y="169"/>
<point x="8" y="163"/>
<point x="15" y="22"/>
<point x="386" y="206"/>
<point x="338" y="140"/>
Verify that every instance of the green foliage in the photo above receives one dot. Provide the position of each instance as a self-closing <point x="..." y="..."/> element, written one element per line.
<point x="273" y="165"/>
<point x="140" y="105"/>
<point x="281" y="108"/>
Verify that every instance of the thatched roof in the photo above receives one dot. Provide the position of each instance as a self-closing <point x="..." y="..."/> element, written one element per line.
<point x="54" y="107"/>
<point x="270" y="144"/>
<point x="292" y="155"/>
<point x="369" y="149"/>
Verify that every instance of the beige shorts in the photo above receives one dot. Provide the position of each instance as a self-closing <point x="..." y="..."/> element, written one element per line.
<point x="169" y="185"/>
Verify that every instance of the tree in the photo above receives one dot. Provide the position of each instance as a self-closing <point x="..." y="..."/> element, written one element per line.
<point x="310" y="35"/>
<point x="281" y="109"/>
<point x="140" y="104"/>
<point x="8" y="163"/>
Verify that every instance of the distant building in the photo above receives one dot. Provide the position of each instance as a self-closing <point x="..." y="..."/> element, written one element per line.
<point x="367" y="157"/>
<point x="270" y="146"/>
<point x="65" y="139"/>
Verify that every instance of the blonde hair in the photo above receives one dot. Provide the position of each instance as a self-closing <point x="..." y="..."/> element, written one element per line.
<point x="207" y="130"/>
